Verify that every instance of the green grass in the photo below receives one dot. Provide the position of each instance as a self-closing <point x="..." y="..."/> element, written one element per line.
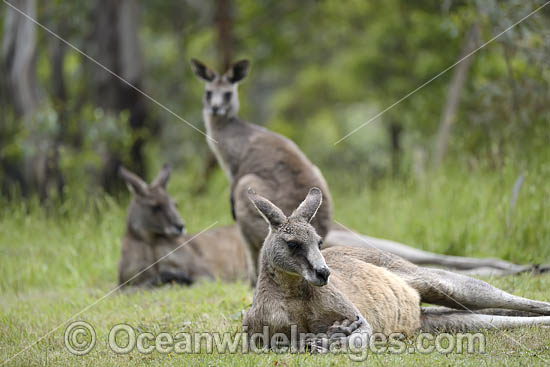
<point x="55" y="262"/>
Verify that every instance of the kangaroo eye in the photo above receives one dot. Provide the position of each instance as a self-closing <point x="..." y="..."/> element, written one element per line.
<point x="292" y="245"/>
<point x="320" y="244"/>
<point x="227" y="96"/>
<point x="156" y="208"/>
<point x="208" y="95"/>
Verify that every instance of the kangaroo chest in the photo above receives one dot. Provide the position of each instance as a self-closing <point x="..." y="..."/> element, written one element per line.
<point x="228" y="140"/>
<point x="307" y="312"/>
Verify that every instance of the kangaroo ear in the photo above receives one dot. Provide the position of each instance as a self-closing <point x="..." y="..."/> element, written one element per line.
<point x="202" y="71"/>
<point x="237" y="71"/>
<point x="135" y="184"/>
<point x="163" y="177"/>
<point x="273" y="215"/>
<point x="308" y="208"/>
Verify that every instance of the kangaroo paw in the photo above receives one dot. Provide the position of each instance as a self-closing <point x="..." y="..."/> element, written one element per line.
<point x="345" y="328"/>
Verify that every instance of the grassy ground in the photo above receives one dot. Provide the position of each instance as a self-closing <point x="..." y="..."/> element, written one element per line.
<point x="54" y="263"/>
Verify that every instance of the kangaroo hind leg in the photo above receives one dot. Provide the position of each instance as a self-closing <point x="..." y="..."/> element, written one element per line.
<point x="465" y="321"/>
<point x="459" y="291"/>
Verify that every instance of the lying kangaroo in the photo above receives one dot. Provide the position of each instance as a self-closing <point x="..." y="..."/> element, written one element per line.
<point x="155" y="228"/>
<point x="369" y="290"/>
<point x="254" y="156"/>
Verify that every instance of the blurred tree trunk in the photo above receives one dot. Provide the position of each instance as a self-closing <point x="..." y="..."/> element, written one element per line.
<point x="458" y="81"/>
<point x="57" y="50"/>
<point x="224" y="26"/>
<point x="118" y="49"/>
<point x="395" y="132"/>
<point x="19" y="46"/>
<point x="39" y="170"/>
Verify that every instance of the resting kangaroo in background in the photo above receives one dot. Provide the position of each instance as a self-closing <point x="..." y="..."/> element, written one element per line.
<point x="155" y="228"/>
<point x="254" y="156"/>
<point x="345" y="290"/>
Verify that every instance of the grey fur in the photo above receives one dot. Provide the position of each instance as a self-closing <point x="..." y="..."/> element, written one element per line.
<point x="308" y="208"/>
<point x="273" y="215"/>
<point x="253" y="156"/>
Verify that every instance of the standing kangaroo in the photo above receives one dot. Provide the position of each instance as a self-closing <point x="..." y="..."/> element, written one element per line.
<point x="155" y="228"/>
<point x="369" y="290"/>
<point x="254" y="156"/>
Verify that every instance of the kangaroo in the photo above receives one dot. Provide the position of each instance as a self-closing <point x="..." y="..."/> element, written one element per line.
<point x="254" y="156"/>
<point x="369" y="290"/>
<point x="155" y="229"/>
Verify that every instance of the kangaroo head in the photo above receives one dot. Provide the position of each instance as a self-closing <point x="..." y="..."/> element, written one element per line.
<point x="153" y="211"/>
<point x="292" y="245"/>
<point x="221" y="96"/>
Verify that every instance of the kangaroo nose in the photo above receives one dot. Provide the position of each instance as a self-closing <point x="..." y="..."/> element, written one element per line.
<point x="180" y="227"/>
<point x="323" y="274"/>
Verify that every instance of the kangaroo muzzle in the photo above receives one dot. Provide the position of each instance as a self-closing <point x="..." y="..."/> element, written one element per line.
<point x="322" y="275"/>
<point x="318" y="272"/>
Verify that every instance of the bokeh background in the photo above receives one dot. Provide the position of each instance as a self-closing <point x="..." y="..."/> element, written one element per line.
<point x="460" y="167"/>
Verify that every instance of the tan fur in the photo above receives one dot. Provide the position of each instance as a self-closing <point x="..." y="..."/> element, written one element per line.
<point x="224" y="252"/>
<point x="355" y="289"/>
<point x="386" y="301"/>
